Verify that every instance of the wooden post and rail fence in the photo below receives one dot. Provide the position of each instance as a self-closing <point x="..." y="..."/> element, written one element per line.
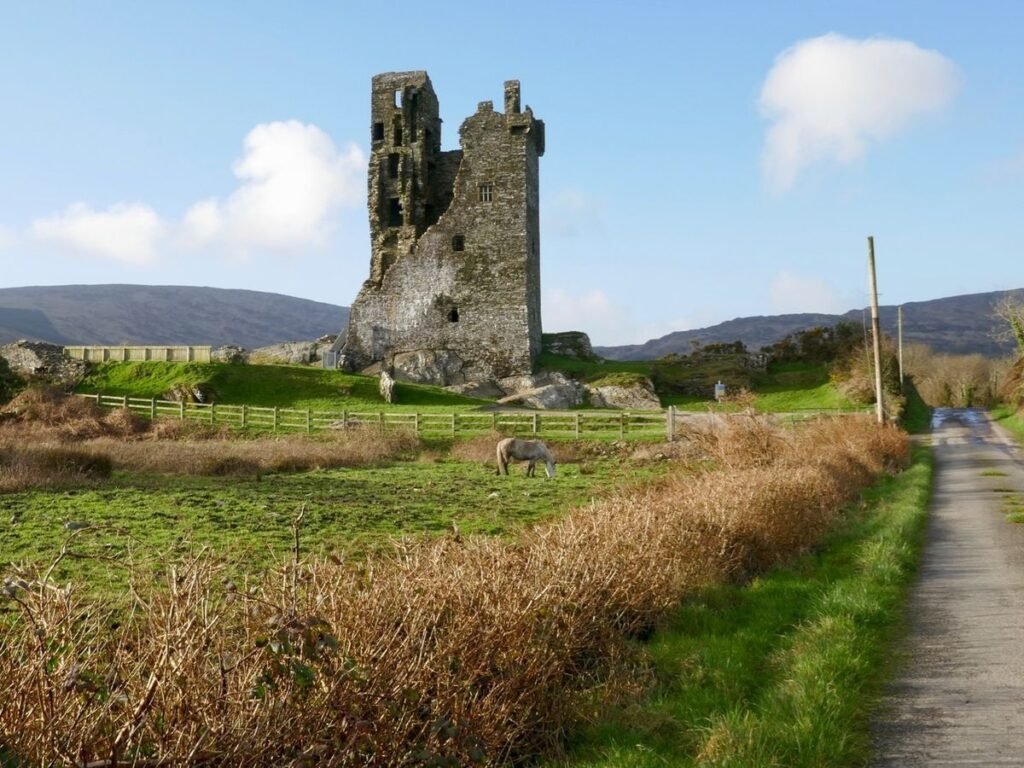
<point x="566" y="424"/>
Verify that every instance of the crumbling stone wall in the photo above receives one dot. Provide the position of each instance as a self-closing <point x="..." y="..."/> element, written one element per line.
<point x="37" y="360"/>
<point x="454" y="287"/>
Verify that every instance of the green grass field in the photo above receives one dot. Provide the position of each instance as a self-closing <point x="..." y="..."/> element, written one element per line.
<point x="783" y="671"/>
<point x="796" y="387"/>
<point x="247" y="521"/>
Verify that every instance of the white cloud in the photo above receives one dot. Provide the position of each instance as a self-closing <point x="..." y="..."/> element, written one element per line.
<point x="594" y="313"/>
<point x="830" y="97"/>
<point x="129" y="233"/>
<point x="791" y="294"/>
<point x="572" y="212"/>
<point x="293" y="179"/>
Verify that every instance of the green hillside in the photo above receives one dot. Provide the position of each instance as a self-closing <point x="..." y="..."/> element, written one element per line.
<point x="686" y="382"/>
<point x="285" y="386"/>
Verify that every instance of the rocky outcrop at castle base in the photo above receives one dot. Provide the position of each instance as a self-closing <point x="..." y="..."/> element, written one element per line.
<point x="637" y="395"/>
<point x="551" y="390"/>
<point x="285" y="353"/>
<point x="230" y="354"/>
<point x="37" y="360"/>
<point x="429" y="366"/>
<point x="547" y="390"/>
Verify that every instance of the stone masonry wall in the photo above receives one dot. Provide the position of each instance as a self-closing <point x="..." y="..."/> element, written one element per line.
<point x="454" y="287"/>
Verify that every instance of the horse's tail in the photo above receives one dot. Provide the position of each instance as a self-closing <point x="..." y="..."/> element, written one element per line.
<point x="502" y="460"/>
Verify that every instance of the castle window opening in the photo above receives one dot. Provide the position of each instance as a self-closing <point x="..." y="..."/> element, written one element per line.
<point x="398" y="135"/>
<point x="394" y="212"/>
<point x="458" y="242"/>
<point x="453" y="315"/>
<point x="486" y="193"/>
<point x="378" y="131"/>
<point x="398" y="97"/>
<point x="393" y="165"/>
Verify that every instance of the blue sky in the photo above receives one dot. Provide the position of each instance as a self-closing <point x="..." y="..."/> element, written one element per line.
<point x="704" y="160"/>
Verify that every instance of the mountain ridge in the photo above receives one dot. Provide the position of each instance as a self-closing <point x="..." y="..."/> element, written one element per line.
<point x="960" y="325"/>
<point x="146" y="314"/>
<point x="162" y="314"/>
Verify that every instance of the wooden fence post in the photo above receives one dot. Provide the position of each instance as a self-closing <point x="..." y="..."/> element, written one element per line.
<point x="309" y="422"/>
<point x="276" y="418"/>
<point x="535" y="423"/>
<point x="181" y="410"/>
<point x="124" y="401"/>
<point x="577" y="414"/>
<point x="380" y="421"/>
<point x="670" y="423"/>
<point x="494" y="421"/>
<point x="244" y="422"/>
<point x="453" y="425"/>
<point x="622" y="425"/>
<point x="213" y="414"/>
<point x="152" y="409"/>
<point x="416" y="424"/>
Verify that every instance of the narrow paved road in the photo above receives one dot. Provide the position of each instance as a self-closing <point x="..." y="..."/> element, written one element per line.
<point x="958" y="696"/>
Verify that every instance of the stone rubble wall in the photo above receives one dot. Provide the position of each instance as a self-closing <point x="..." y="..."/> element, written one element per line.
<point x="42" y="361"/>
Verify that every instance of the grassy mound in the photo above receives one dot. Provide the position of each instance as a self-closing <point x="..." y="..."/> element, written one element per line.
<point x="684" y="381"/>
<point x="286" y="386"/>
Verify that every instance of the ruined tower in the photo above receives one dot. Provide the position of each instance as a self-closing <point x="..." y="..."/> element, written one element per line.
<point x="454" y="287"/>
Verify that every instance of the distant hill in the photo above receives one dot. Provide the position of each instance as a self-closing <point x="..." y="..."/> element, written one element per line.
<point x="145" y="314"/>
<point x="955" y="325"/>
<point x="162" y="314"/>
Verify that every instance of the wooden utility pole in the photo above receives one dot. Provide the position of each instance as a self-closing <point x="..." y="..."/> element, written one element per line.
<point x="876" y="332"/>
<point x="899" y="326"/>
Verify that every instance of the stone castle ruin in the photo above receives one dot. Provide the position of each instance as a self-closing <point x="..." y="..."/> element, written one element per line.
<point x="454" y="289"/>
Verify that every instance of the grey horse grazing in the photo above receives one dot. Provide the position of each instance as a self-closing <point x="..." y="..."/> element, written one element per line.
<point x="525" y="450"/>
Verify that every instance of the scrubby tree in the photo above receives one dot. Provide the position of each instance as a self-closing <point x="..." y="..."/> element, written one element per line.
<point x="957" y="381"/>
<point x="1010" y="312"/>
<point x="821" y="344"/>
<point x="853" y="372"/>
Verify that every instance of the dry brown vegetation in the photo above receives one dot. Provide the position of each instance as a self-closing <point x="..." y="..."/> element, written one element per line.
<point x="23" y="467"/>
<point x="48" y="439"/>
<point x="958" y="381"/>
<point x="1012" y="385"/>
<point x="448" y="652"/>
<point x="42" y="413"/>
